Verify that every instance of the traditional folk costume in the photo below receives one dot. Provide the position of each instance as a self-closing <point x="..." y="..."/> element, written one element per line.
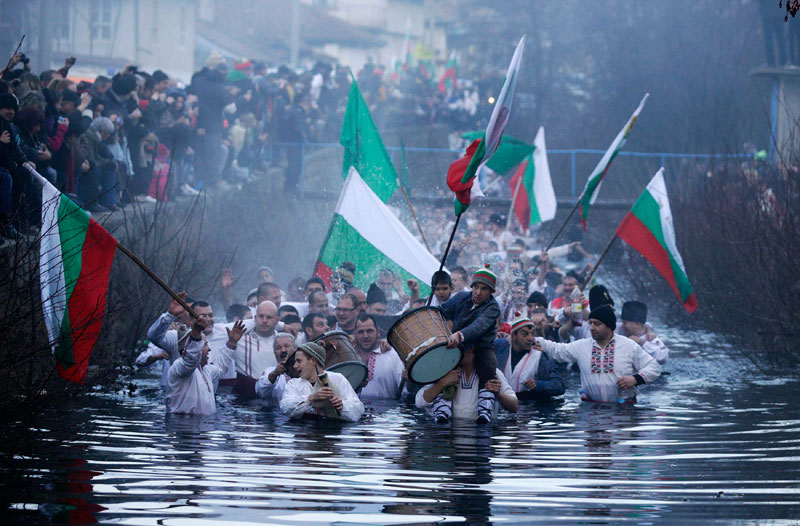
<point x="478" y="327"/>
<point x="190" y="386"/>
<point x="254" y="355"/>
<point x="385" y="373"/>
<point x="520" y="367"/>
<point x="295" y="403"/>
<point x="272" y="392"/>
<point x="145" y="355"/>
<point x="601" y="367"/>
<point x="466" y="402"/>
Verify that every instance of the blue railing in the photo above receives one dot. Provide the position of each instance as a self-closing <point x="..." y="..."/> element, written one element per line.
<point x="581" y="161"/>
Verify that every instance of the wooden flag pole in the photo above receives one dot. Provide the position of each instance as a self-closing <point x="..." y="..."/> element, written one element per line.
<point x="597" y="264"/>
<point x="122" y="248"/>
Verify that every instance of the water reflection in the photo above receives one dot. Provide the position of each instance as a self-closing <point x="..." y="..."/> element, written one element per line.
<point x="702" y="447"/>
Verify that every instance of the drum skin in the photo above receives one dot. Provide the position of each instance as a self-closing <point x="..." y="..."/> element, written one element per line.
<point x="420" y="338"/>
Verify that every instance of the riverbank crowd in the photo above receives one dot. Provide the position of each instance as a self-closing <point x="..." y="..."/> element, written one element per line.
<point x="144" y="136"/>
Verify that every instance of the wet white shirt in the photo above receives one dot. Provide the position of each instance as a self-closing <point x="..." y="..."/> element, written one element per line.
<point x="271" y="392"/>
<point x="465" y="403"/>
<point x="384" y="374"/>
<point x="190" y="388"/>
<point x="154" y="350"/>
<point x="602" y="367"/>
<point x="295" y="398"/>
<point x="255" y="353"/>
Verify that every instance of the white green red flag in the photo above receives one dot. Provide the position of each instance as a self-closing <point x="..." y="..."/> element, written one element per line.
<point x="365" y="232"/>
<point x="648" y="228"/>
<point x="592" y="188"/>
<point x="75" y="256"/>
<point x="448" y="81"/>
<point x="531" y="187"/>
<point x="461" y="174"/>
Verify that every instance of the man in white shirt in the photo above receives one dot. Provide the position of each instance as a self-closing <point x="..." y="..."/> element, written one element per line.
<point x="384" y="369"/>
<point x="611" y="366"/>
<point x="191" y="379"/>
<point x="153" y="354"/>
<point x="255" y="353"/>
<point x="635" y="327"/>
<point x="272" y="383"/>
<point x="314" y="325"/>
<point x="319" y="393"/>
<point x="465" y="402"/>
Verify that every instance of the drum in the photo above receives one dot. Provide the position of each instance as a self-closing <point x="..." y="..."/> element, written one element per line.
<point x="420" y="338"/>
<point x="340" y="357"/>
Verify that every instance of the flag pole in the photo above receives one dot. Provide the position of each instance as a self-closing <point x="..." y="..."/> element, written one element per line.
<point x="446" y="252"/>
<point x="597" y="263"/>
<point x="14" y="54"/>
<point x="561" y="229"/>
<point x="513" y="200"/>
<point x="122" y="248"/>
<point x="413" y="214"/>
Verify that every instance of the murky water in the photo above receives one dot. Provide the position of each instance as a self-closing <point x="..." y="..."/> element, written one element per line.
<point x="710" y="443"/>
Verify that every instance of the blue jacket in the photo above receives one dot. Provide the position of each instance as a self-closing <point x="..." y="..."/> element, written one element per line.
<point x="478" y="325"/>
<point x="548" y="380"/>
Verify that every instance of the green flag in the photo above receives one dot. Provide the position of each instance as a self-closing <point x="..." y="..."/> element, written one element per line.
<point x="508" y="155"/>
<point x="363" y="147"/>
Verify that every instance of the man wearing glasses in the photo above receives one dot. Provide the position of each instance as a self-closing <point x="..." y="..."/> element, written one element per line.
<point x="346" y="312"/>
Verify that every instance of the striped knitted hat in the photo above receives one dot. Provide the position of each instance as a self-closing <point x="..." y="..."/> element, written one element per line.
<point x="520" y="321"/>
<point x="485" y="276"/>
<point x="314" y="350"/>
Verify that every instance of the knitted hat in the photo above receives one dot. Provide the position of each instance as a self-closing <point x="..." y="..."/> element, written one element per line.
<point x="598" y="295"/>
<point x="315" y="350"/>
<point x="242" y="64"/>
<point x="214" y="59"/>
<point x="520" y="321"/>
<point x="634" y="311"/>
<point x="537" y="298"/>
<point x="9" y="101"/>
<point x="235" y="76"/>
<point x="484" y="276"/>
<point x="605" y="314"/>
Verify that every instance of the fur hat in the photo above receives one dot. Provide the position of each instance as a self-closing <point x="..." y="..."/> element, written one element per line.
<point x="605" y="314"/>
<point x="598" y="295"/>
<point x="634" y="311"/>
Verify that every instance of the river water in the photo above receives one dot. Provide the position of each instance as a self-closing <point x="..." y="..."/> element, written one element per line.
<point x="711" y="443"/>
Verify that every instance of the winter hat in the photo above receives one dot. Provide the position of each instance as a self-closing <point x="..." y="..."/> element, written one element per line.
<point x="634" y="311"/>
<point x="375" y="294"/>
<point x="538" y="298"/>
<point x="520" y="321"/>
<point x="242" y="64"/>
<point x="598" y="295"/>
<point x="345" y="275"/>
<point x="605" y="314"/>
<point x="484" y="276"/>
<point x="315" y="350"/>
<point x="123" y="84"/>
<point x="9" y="101"/>
<point x="214" y="59"/>
<point x="235" y="76"/>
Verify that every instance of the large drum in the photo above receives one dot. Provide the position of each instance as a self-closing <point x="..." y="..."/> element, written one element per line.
<point x="420" y="338"/>
<point x="340" y="357"/>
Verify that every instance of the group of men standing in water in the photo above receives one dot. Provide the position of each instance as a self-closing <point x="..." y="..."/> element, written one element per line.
<point x="501" y="364"/>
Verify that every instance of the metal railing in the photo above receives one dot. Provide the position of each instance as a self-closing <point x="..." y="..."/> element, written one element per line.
<point x="579" y="163"/>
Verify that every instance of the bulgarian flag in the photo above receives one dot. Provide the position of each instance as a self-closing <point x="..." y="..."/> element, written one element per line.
<point x="448" y="81"/>
<point x="592" y="188"/>
<point x="365" y="232"/>
<point x="461" y="174"/>
<point x="649" y="230"/>
<point x="75" y="258"/>
<point x="532" y="189"/>
<point x="363" y="147"/>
